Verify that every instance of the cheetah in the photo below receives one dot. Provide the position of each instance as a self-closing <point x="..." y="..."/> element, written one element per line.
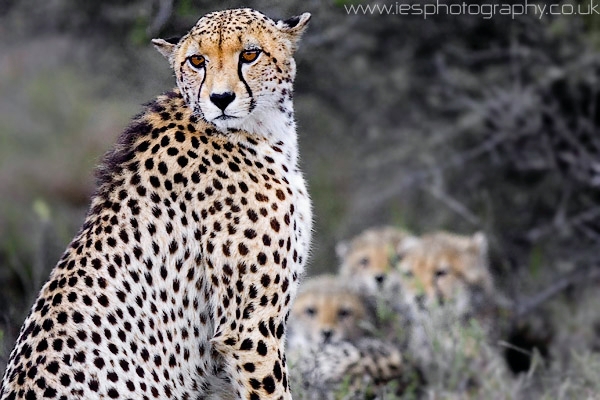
<point x="330" y="345"/>
<point x="179" y="282"/>
<point x="368" y="259"/>
<point x="443" y="267"/>
<point x="452" y="303"/>
<point x="326" y="310"/>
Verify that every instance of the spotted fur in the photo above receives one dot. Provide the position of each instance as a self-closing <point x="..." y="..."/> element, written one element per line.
<point x="179" y="282"/>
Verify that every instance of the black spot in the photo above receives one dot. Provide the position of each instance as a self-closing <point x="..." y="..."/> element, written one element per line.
<point x="265" y="280"/>
<point x="154" y="182"/>
<point x="99" y="362"/>
<point x="246" y="345"/>
<point x="182" y="161"/>
<point x="252" y="215"/>
<point x="269" y="384"/>
<point x="48" y="324"/>
<point x="261" y="258"/>
<point x="277" y="371"/>
<point x="261" y="348"/>
<point x="77" y="317"/>
<point x="255" y="383"/>
<point x="93" y="385"/>
<point x="242" y="249"/>
<point x="53" y="367"/>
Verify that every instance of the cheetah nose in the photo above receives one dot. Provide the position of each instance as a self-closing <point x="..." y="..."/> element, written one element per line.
<point x="379" y="279"/>
<point x="222" y="100"/>
<point x="327" y="333"/>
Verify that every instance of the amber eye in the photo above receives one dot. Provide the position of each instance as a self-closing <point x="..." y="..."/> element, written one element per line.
<point x="248" y="56"/>
<point x="197" y="61"/>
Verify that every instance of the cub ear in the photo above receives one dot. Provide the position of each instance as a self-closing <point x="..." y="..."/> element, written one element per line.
<point x="294" y="27"/>
<point x="165" y="47"/>
<point x="407" y="244"/>
<point x="341" y="249"/>
<point x="480" y="242"/>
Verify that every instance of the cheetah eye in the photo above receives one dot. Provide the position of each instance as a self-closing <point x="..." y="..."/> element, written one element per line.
<point x="344" y="313"/>
<point x="247" y="56"/>
<point x="441" y="272"/>
<point x="408" y="274"/>
<point x="197" y="61"/>
<point x="364" y="262"/>
<point x="310" y="311"/>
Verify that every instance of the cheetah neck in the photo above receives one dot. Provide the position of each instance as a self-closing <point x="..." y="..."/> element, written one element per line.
<point x="276" y="126"/>
<point x="271" y="119"/>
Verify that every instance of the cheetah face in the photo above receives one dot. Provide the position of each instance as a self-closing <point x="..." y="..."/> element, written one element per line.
<point x="372" y="267"/>
<point x="327" y="317"/>
<point x="326" y="310"/>
<point x="446" y="268"/>
<point x="369" y="259"/>
<point x="235" y="68"/>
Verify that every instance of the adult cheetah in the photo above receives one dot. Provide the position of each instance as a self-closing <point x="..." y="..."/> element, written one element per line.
<point x="179" y="283"/>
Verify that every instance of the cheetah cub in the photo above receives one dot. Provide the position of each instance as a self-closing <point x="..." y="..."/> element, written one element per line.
<point x="368" y="259"/>
<point x="179" y="282"/>
<point x="327" y="310"/>
<point x="442" y="268"/>
<point x="329" y="346"/>
<point x="452" y="301"/>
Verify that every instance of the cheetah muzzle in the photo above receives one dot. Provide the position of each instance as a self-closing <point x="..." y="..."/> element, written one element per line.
<point x="179" y="283"/>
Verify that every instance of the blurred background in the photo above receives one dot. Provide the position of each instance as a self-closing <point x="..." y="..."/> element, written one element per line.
<point x="452" y="122"/>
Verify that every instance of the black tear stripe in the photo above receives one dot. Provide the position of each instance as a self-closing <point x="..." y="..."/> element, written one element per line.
<point x="252" y="102"/>
<point x="200" y="88"/>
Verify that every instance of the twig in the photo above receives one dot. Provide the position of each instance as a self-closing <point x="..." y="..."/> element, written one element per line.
<point x="539" y="232"/>
<point x="454" y="205"/>
<point x="165" y="9"/>
<point x="532" y="303"/>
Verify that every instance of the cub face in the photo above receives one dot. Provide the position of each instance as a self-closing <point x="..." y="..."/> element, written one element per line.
<point x="369" y="258"/>
<point x="235" y="66"/>
<point x="326" y="310"/>
<point x="444" y="267"/>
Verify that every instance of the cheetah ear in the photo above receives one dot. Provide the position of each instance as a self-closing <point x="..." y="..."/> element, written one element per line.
<point x="407" y="244"/>
<point x="165" y="47"/>
<point x="480" y="242"/>
<point x="341" y="249"/>
<point x="294" y="27"/>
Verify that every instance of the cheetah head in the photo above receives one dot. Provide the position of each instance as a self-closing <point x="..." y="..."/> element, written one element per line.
<point x="327" y="310"/>
<point x="235" y="68"/>
<point x="443" y="267"/>
<point x="368" y="260"/>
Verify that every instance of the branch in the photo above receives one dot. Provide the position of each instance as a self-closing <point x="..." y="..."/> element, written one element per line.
<point x="165" y="9"/>
<point x="532" y="303"/>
